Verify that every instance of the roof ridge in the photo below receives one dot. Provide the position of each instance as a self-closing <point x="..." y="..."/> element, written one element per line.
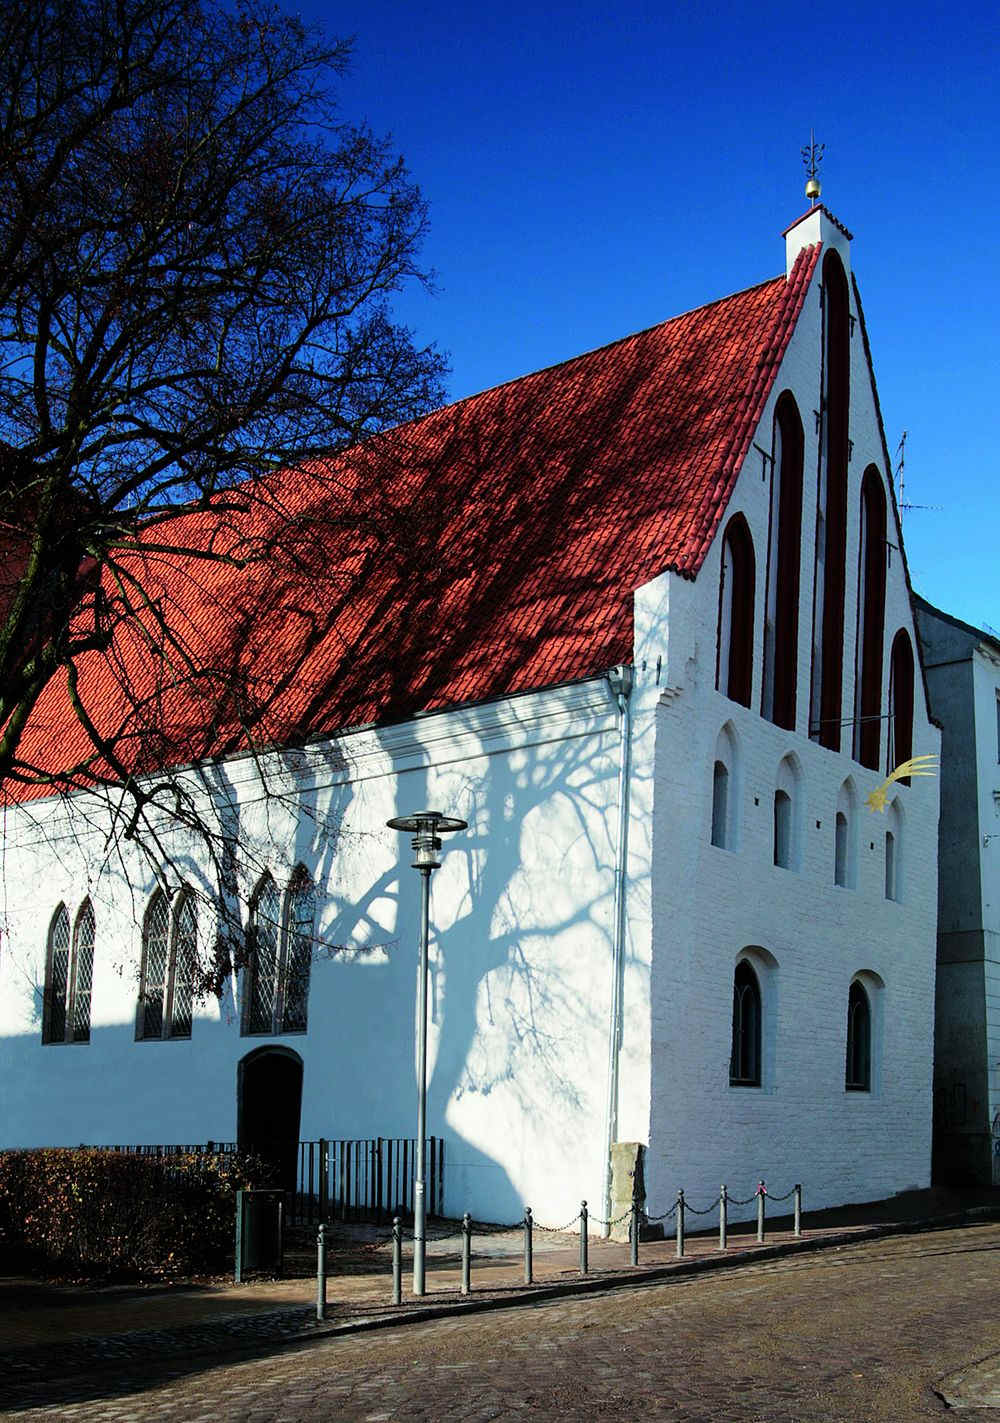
<point x="580" y="356"/>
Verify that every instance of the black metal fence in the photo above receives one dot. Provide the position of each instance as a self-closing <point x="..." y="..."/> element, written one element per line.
<point x="364" y="1178"/>
<point x="358" y="1178"/>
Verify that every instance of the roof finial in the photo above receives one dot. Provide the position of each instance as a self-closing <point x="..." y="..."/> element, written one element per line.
<point x="812" y="157"/>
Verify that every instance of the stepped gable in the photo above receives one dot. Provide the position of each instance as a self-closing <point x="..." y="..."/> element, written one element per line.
<point x="491" y="547"/>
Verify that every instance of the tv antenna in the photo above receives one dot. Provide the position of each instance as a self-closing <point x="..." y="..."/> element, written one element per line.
<point x="901" y="503"/>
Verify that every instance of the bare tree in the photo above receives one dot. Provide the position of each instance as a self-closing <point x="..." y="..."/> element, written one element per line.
<point x="196" y="259"/>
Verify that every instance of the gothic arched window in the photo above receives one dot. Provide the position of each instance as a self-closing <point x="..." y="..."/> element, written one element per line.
<point x="734" y="673"/>
<point x="262" y="962"/>
<point x="858" y="1074"/>
<point x="900" y="702"/>
<point x="280" y="955"/>
<point x="744" y="1062"/>
<point x="300" y="912"/>
<point x="781" y="614"/>
<point x="56" y="979"/>
<point x="167" y="972"/>
<point x="871" y="621"/>
<point x="831" y="525"/>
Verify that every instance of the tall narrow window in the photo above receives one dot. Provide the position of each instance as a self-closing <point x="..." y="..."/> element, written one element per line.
<point x="56" y="979"/>
<point x="153" y="978"/>
<point x="858" y="1074"/>
<point x="280" y="957"/>
<point x="840" y="850"/>
<point x="300" y="913"/>
<point x="720" y="805"/>
<point x="744" y="1062"/>
<point x="900" y="702"/>
<point x="265" y="923"/>
<point x="787" y="813"/>
<point x="781" y="618"/>
<point x="82" y="975"/>
<point x="894" y="852"/>
<point x="167" y="975"/>
<point x="183" y="951"/>
<point x="782" y="829"/>
<point x="871" y="621"/>
<point x="831" y="524"/>
<point x="734" y="672"/>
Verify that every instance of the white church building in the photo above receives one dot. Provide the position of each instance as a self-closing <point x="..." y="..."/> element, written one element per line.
<point x="643" y="621"/>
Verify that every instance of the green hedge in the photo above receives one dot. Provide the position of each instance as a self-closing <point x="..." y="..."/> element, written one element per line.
<point x="90" y="1211"/>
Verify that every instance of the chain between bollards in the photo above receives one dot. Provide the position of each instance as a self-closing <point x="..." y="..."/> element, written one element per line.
<point x="583" y="1238"/>
<point x="397" y="1260"/>
<point x="723" y="1217"/>
<point x="321" y="1274"/>
<point x="528" y="1269"/>
<point x="761" y="1197"/>
<point x="680" y="1224"/>
<point x="466" y="1253"/>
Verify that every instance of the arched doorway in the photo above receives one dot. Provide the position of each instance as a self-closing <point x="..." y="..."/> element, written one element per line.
<point x="268" y="1105"/>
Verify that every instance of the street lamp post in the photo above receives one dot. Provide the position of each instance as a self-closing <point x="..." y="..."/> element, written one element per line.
<point x="426" y="827"/>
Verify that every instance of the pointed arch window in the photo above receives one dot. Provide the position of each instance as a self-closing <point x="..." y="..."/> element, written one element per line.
<point x="280" y="955"/>
<point x="262" y="987"/>
<point x="858" y="1073"/>
<point x="871" y="621"/>
<point x="69" y="971"/>
<point x="900" y="703"/>
<point x="831" y="522"/>
<point x="781" y="616"/>
<point x="720" y="805"/>
<point x="894" y="853"/>
<point x="787" y="813"/>
<point x="744" y="1062"/>
<point x="734" y="672"/>
<point x="300" y="913"/>
<point x="167" y="972"/>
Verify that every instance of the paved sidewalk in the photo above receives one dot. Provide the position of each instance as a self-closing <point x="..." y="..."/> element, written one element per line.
<point x="50" y="1331"/>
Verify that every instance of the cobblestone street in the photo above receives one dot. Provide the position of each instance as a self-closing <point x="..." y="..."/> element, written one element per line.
<point x="860" y="1333"/>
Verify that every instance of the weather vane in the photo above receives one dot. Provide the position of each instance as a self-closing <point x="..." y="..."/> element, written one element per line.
<point x="812" y="157"/>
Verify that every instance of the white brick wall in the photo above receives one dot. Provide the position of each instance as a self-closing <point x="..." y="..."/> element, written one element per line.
<point x="708" y="904"/>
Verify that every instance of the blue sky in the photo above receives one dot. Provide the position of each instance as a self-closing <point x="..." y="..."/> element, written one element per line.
<point x="593" y="170"/>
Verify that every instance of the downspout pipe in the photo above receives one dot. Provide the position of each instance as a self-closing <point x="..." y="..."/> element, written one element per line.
<point x="620" y="683"/>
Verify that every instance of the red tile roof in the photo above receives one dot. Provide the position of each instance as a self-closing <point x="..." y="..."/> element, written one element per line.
<point x="491" y="547"/>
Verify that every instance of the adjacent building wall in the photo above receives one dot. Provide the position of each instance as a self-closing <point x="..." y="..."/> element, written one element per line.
<point x="963" y="680"/>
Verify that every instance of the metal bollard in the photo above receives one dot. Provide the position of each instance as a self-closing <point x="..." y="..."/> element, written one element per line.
<point x="466" y="1253"/>
<point x="680" y="1224"/>
<point x="723" y="1217"/>
<point x="634" y="1234"/>
<point x="321" y="1273"/>
<point x="397" y="1260"/>
<point x="798" y="1210"/>
<point x="583" y="1237"/>
<point x="528" y="1272"/>
<point x="761" y="1194"/>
